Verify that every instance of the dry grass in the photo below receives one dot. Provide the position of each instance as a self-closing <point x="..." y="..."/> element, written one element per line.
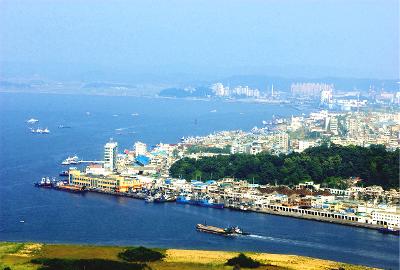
<point x="18" y="256"/>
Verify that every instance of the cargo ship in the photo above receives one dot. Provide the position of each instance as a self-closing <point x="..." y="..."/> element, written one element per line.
<point x="221" y="231"/>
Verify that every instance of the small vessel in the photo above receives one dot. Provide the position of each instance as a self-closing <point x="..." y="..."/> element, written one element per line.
<point x="64" y="173"/>
<point x="164" y="198"/>
<point x="210" y="203"/>
<point x="222" y="231"/>
<point x="62" y="126"/>
<point x="390" y="230"/>
<point x="135" y="114"/>
<point x="184" y="199"/>
<point x="149" y="199"/>
<point x="22" y="221"/>
<point x="71" y="160"/>
<point x="213" y="111"/>
<point x="40" y="131"/>
<point x="45" y="182"/>
<point x="32" y="121"/>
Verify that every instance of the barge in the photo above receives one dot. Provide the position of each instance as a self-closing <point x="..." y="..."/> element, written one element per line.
<point x="230" y="231"/>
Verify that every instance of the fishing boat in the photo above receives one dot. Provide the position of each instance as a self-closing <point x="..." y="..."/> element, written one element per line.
<point x="221" y="231"/>
<point x="207" y="202"/>
<point x="183" y="199"/>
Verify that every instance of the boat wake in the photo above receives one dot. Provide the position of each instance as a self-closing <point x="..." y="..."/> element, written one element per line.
<point x="314" y="245"/>
<point x="259" y="236"/>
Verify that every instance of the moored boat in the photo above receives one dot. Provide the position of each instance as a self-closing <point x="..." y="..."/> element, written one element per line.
<point x="45" y="182"/>
<point x="71" y="160"/>
<point x="390" y="230"/>
<point x="71" y="188"/>
<point x="64" y="173"/>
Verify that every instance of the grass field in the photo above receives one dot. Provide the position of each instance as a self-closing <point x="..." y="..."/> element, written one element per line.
<point x="17" y="256"/>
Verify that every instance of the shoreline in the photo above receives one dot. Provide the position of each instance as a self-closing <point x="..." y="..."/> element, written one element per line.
<point x="18" y="255"/>
<point x="269" y="212"/>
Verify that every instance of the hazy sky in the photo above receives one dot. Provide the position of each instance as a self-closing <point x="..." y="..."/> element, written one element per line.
<point x="332" y="38"/>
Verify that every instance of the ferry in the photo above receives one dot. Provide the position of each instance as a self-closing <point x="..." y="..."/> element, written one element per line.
<point x="390" y="230"/>
<point x="221" y="231"/>
<point x="71" y="160"/>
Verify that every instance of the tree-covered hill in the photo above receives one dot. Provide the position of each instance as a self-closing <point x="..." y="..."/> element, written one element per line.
<point x="323" y="164"/>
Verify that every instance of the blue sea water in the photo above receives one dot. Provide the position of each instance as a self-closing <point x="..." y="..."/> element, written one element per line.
<point x="60" y="217"/>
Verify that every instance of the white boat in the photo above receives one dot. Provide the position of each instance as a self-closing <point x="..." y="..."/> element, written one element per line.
<point x="213" y="111"/>
<point x="32" y="121"/>
<point x="71" y="160"/>
<point x="40" y="131"/>
<point x="135" y="114"/>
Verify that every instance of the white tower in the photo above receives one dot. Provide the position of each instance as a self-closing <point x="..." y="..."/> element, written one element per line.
<point x="110" y="156"/>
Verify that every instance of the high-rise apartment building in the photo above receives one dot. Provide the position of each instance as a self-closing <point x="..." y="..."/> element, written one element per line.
<point x="110" y="156"/>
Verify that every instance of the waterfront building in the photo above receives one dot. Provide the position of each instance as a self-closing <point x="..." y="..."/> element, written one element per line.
<point x="110" y="156"/>
<point x="111" y="182"/>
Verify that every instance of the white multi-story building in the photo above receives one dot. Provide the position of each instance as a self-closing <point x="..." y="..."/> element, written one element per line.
<point x="110" y="156"/>
<point x="283" y="141"/>
<point x="140" y="148"/>
<point x="326" y="97"/>
<point x="386" y="218"/>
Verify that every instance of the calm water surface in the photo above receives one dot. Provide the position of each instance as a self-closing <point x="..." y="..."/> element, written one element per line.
<point x="59" y="217"/>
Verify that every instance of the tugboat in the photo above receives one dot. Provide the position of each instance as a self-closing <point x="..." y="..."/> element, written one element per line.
<point x="229" y="231"/>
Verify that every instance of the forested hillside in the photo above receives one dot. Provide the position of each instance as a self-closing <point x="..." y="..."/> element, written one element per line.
<point x="323" y="164"/>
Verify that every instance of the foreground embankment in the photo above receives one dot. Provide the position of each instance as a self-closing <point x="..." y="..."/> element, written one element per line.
<point x="20" y="255"/>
